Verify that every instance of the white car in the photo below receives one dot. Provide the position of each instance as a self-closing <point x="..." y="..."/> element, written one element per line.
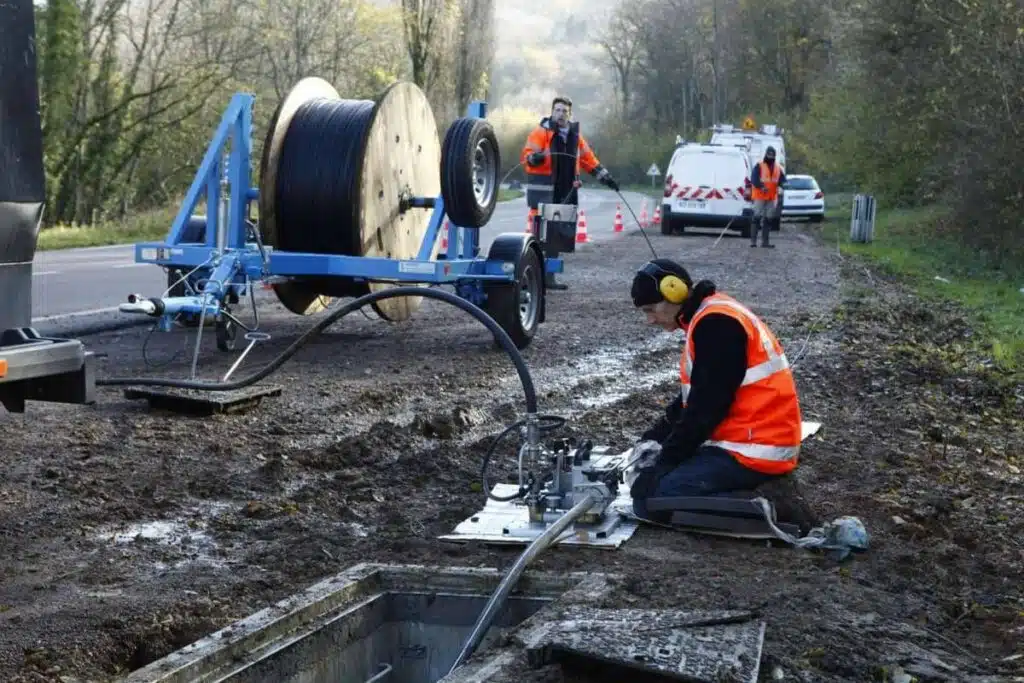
<point x="802" y="198"/>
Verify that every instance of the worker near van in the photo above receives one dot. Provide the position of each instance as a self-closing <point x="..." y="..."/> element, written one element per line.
<point x="736" y="422"/>
<point x="553" y="155"/>
<point x="766" y="177"/>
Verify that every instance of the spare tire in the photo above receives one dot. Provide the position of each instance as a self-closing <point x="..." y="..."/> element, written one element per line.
<point x="470" y="164"/>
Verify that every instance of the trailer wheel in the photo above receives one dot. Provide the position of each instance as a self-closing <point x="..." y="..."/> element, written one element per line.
<point x="227" y="332"/>
<point x="517" y="306"/>
<point x="470" y="164"/>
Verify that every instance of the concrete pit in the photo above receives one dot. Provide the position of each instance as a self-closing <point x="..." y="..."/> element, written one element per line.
<point x="408" y="624"/>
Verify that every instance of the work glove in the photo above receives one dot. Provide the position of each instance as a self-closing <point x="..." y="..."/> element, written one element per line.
<point x="643" y="456"/>
<point x="605" y="178"/>
<point x="535" y="159"/>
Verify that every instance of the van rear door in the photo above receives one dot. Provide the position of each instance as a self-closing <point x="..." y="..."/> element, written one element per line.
<point x="710" y="182"/>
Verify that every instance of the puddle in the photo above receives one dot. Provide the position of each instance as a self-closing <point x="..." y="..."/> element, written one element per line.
<point x="605" y="377"/>
<point x="185" y="535"/>
<point x="624" y="388"/>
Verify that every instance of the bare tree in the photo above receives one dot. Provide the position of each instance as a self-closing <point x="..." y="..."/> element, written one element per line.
<point x="621" y="40"/>
<point x="476" y="51"/>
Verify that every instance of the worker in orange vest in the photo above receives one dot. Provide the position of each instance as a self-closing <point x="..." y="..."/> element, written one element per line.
<point x="766" y="177"/>
<point x="553" y="155"/>
<point x="736" y="423"/>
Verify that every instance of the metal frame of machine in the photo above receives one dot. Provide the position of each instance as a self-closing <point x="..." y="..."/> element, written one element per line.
<point x="554" y="479"/>
<point x="231" y="257"/>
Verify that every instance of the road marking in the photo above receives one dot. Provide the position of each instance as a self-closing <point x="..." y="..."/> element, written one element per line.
<point x="130" y="265"/>
<point x="75" y="314"/>
<point x="46" y="272"/>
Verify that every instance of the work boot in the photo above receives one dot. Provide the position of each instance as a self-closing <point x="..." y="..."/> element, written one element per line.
<point x="549" y="282"/>
<point x="790" y="505"/>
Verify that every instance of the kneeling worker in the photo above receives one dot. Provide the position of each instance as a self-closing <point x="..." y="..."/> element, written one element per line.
<point x="736" y="423"/>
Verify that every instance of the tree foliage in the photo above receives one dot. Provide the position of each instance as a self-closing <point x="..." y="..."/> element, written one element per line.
<point x="916" y="101"/>
<point x="131" y="91"/>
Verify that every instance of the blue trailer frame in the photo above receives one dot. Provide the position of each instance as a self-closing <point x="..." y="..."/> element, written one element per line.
<point x="229" y="260"/>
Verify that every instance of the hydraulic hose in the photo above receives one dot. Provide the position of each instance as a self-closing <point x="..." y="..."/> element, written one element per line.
<point x="430" y="293"/>
<point x="548" y="537"/>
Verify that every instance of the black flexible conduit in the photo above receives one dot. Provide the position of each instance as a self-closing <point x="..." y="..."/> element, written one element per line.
<point x="430" y="293"/>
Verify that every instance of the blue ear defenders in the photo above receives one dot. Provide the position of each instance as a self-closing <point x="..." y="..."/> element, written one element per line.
<point x="669" y="284"/>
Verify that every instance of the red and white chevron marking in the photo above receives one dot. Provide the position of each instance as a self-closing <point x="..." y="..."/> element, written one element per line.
<point x="709" y="193"/>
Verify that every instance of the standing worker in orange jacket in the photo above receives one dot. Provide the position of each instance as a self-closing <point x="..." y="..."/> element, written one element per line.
<point x="553" y="155"/>
<point x="767" y="177"/>
<point x="736" y="423"/>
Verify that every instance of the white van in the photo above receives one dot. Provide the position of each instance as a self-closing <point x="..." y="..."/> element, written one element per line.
<point x="707" y="186"/>
<point x="754" y="141"/>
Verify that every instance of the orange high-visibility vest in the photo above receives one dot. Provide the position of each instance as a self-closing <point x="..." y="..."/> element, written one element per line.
<point x="763" y="427"/>
<point x="769" y="181"/>
<point x="540" y="183"/>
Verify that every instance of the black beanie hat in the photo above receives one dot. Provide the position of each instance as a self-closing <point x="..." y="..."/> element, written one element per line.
<point x="645" y="289"/>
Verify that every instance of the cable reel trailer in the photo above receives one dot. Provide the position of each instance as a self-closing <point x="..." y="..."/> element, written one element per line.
<point x="352" y="197"/>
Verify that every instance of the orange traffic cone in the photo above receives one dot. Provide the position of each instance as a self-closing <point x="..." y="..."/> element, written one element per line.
<point x="657" y="215"/>
<point x="618" y="218"/>
<point x="643" y="214"/>
<point x="581" y="229"/>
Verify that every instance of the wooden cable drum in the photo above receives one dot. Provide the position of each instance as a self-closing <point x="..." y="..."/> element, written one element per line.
<point x="333" y="176"/>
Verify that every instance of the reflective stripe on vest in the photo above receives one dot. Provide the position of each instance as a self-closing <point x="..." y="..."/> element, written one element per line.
<point x="539" y="190"/>
<point x="773" y="458"/>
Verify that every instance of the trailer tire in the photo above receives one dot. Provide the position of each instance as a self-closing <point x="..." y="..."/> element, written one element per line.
<point x="226" y="334"/>
<point x="470" y="164"/>
<point x="518" y="306"/>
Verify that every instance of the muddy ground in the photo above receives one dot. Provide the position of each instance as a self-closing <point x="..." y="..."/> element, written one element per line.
<point x="128" y="533"/>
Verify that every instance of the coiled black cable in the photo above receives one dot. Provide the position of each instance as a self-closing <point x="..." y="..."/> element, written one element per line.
<point x="317" y="193"/>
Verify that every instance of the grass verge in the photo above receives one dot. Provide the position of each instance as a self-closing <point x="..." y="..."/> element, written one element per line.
<point x="916" y="245"/>
<point x="149" y="225"/>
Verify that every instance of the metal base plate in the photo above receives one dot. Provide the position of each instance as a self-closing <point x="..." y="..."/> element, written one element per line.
<point x="202" y="403"/>
<point x="627" y="644"/>
<point x="508" y="524"/>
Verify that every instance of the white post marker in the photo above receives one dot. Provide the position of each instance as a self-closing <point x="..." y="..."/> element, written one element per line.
<point x="654" y="172"/>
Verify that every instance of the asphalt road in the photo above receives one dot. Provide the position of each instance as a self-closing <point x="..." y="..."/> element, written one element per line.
<point x="74" y="290"/>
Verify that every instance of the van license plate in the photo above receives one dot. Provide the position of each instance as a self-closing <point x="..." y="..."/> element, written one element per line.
<point x="695" y="205"/>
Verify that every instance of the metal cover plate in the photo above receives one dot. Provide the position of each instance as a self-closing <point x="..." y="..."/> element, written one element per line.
<point x="674" y="644"/>
<point x="508" y="524"/>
